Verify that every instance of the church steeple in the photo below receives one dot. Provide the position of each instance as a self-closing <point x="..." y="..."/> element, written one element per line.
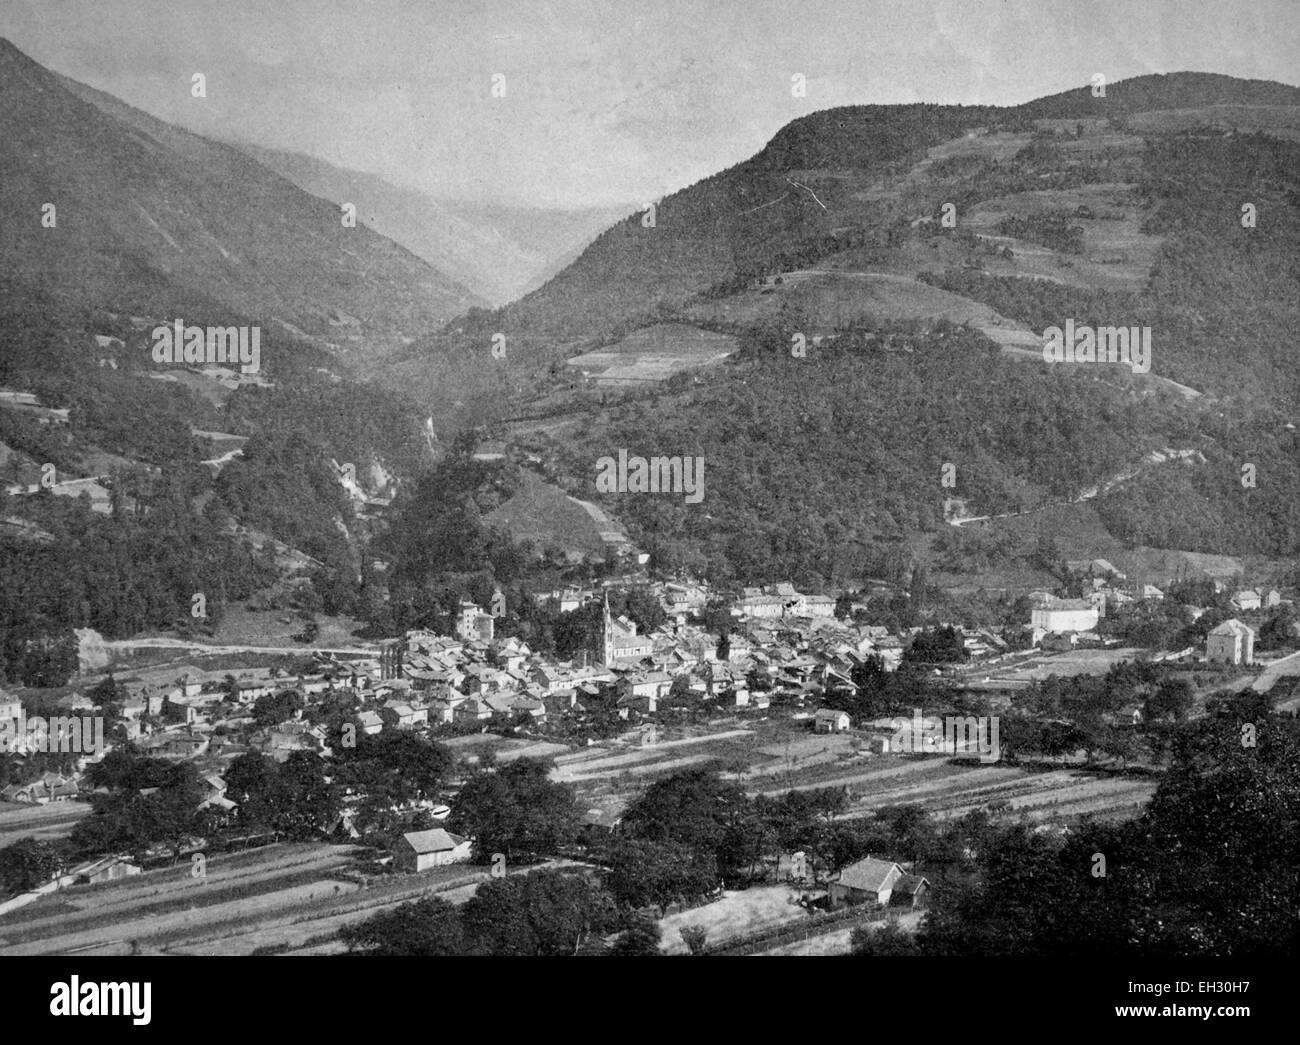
<point x="608" y="634"/>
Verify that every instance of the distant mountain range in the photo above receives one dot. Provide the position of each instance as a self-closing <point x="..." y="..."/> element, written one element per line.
<point x="500" y="252"/>
<point x="152" y="219"/>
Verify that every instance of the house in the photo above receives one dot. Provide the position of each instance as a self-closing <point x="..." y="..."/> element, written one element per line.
<point x="1093" y="569"/>
<point x="643" y="689"/>
<point x="471" y="710"/>
<point x="1271" y="598"/>
<point x="248" y="690"/>
<point x="1060" y="615"/>
<point x="1246" y="600"/>
<point x="403" y="716"/>
<point x="814" y="606"/>
<point x="472" y="623"/>
<point x="371" y="722"/>
<point x="867" y="881"/>
<point x="910" y="891"/>
<point x="1128" y="715"/>
<point x="601" y="821"/>
<point x="755" y="603"/>
<point x="181" y="745"/>
<point x="828" y="720"/>
<point x="1231" y="643"/>
<point x="49" y="788"/>
<point x="420" y="850"/>
<point x="105" y="869"/>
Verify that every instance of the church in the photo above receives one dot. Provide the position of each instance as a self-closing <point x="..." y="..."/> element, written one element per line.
<point x="622" y="645"/>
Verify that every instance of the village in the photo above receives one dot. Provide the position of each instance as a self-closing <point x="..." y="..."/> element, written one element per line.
<point x="778" y="701"/>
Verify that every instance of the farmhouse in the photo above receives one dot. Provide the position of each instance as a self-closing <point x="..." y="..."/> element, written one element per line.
<point x="1231" y="643"/>
<point x="420" y="850"/>
<point x="105" y="869"/>
<point x="867" y="881"/>
<point x="830" y="721"/>
<point x="1246" y="600"/>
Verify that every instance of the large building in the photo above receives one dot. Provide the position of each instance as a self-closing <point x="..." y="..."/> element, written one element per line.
<point x="1231" y="643"/>
<point x="1061" y="615"/>
<point x="782" y="600"/>
<point x="473" y="624"/>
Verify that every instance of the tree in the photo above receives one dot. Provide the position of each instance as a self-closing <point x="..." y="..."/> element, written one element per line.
<point x="694" y="937"/>
<point x="253" y="783"/>
<point x="696" y="808"/>
<point x="270" y="709"/>
<point x="639" y="939"/>
<point x="516" y="810"/>
<point x="27" y="864"/>
<point x="496" y="919"/>
<point x="1173" y="699"/>
<point x="644" y="873"/>
<point x="888" y="940"/>
<point x="311" y="802"/>
<point x="564" y="908"/>
<point x="429" y="928"/>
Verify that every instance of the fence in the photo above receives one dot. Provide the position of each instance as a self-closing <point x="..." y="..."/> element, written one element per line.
<point x="817" y="925"/>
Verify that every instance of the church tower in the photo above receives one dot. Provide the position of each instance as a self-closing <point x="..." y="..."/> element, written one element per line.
<point x="608" y="634"/>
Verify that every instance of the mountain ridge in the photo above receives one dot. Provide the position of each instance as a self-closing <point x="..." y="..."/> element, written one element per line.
<point x="140" y="203"/>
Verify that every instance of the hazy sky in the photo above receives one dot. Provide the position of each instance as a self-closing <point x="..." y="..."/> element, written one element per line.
<point x="611" y="102"/>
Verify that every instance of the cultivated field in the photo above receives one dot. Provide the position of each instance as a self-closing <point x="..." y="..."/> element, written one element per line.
<point x="655" y="353"/>
<point x="836" y="297"/>
<point x="734" y="914"/>
<point x="281" y="897"/>
<point x="44" y="822"/>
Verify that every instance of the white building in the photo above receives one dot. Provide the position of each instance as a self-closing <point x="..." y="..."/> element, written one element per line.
<point x="1064" y="615"/>
<point x="1231" y="643"/>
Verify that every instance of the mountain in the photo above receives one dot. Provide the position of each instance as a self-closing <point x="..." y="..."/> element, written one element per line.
<point x="828" y="173"/>
<point x="915" y="255"/>
<point x="499" y="252"/>
<point x="844" y="189"/>
<point x="150" y="218"/>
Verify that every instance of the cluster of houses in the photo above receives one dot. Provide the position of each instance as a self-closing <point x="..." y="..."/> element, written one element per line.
<point x="1059" y="623"/>
<point x="779" y="641"/>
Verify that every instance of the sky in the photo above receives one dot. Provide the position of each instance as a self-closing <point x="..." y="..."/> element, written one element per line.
<point x="609" y="103"/>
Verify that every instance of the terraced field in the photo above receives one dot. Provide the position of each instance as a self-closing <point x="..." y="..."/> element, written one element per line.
<point x="44" y="822"/>
<point x="946" y="788"/>
<point x="281" y="897"/>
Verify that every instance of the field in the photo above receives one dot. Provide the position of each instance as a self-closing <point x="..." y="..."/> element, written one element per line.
<point x="778" y="757"/>
<point x="1116" y="253"/>
<point x="835" y="298"/>
<point x="282" y="897"/>
<point x="47" y="822"/>
<point x="653" y="354"/>
<point x="734" y="914"/>
<point x="546" y="515"/>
